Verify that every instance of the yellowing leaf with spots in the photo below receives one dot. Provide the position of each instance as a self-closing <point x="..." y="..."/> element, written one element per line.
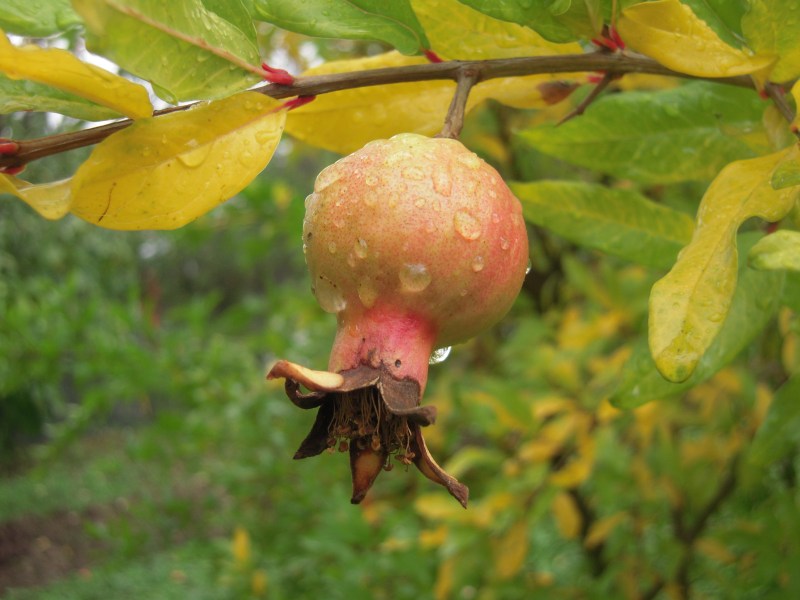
<point x="62" y="70"/>
<point x="161" y="173"/>
<point x="480" y="36"/>
<point x="669" y="32"/>
<point x="51" y="200"/>
<point x="346" y="120"/>
<point x="689" y="305"/>
<point x="770" y="27"/>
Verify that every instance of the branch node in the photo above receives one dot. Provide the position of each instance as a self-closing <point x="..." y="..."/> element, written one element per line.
<point x="596" y="91"/>
<point x="279" y="76"/>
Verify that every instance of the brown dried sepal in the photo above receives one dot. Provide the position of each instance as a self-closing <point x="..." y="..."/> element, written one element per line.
<point x="370" y="413"/>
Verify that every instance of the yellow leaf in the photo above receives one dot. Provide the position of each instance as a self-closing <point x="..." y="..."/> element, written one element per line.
<point x="715" y="550"/>
<point x="445" y="579"/>
<point x="670" y="32"/>
<point x="51" y="200"/>
<point x="689" y="305"/>
<point x="345" y="121"/>
<point x="480" y="36"/>
<point x="258" y="583"/>
<point x="579" y="468"/>
<point x="511" y="550"/>
<point x="61" y="69"/>
<point x="602" y="528"/>
<point x="568" y="517"/>
<point x="161" y="173"/>
<point x="796" y="96"/>
<point x="241" y="547"/>
<point x="433" y="538"/>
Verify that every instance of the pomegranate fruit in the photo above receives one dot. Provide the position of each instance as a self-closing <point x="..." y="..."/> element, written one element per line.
<point x="415" y="244"/>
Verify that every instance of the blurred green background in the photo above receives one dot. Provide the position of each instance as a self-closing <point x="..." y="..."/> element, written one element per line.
<point x="143" y="454"/>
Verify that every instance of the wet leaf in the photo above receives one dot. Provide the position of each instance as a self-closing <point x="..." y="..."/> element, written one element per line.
<point x="757" y="297"/>
<point x="344" y="121"/>
<point x="37" y="19"/>
<point x="140" y="36"/>
<point x="21" y="95"/>
<point x="602" y="528"/>
<point x="392" y="22"/>
<point x="62" y="70"/>
<point x="665" y="136"/>
<point x="669" y="32"/>
<point x="51" y="200"/>
<point x="780" y="250"/>
<point x="164" y="172"/>
<point x="689" y="305"/>
<point x="796" y="96"/>
<point x="770" y="27"/>
<point x="619" y="222"/>
<point x="480" y="36"/>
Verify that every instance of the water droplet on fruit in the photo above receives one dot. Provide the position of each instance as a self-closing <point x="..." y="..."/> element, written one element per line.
<point x="466" y="225"/>
<point x="413" y="173"/>
<point x="327" y="177"/>
<point x="367" y="292"/>
<point x="360" y="248"/>
<point x="419" y="202"/>
<point x="477" y="264"/>
<point x="439" y="355"/>
<point x="528" y="267"/>
<point x="351" y="260"/>
<point x="442" y="182"/>
<point x="492" y="194"/>
<point x="332" y="247"/>
<point x="495" y="218"/>
<point x="328" y="295"/>
<point x="463" y="293"/>
<point x="470" y="160"/>
<point x="371" y="180"/>
<point x="504" y="243"/>
<point x="414" y="277"/>
<point x="397" y="157"/>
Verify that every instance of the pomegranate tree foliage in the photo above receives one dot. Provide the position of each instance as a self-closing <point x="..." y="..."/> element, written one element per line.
<point x="659" y="176"/>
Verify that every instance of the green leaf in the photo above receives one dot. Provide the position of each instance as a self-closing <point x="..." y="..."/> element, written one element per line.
<point x="163" y="172"/>
<point x="780" y="250"/>
<point x="619" y="222"/>
<point x="689" y="304"/>
<point x="539" y="16"/>
<point x="37" y="19"/>
<point x="723" y="16"/>
<point x="21" y="95"/>
<point x="665" y="136"/>
<point x="779" y="434"/>
<point x="392" y="22"/>
<point x="756" y="299"/>
<point x="142" y="36"/>
<point x="770" y="27"/>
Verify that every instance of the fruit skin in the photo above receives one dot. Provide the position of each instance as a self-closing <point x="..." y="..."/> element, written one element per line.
<point x="415" y="243"/>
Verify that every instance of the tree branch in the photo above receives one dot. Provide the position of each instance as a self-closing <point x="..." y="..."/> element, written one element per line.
<point x="615" y="64"/>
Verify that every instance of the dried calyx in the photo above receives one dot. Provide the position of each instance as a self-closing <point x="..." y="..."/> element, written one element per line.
<point x="415" y="244"/>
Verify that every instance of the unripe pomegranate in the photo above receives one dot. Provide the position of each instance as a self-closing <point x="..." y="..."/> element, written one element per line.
<point x="414" y="243"/>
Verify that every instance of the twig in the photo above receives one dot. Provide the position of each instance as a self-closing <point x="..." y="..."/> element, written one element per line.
<point x="454" y="120"/>
<point x="617" y="64"/>
<point x="775" y="93"/>
<point x="596" y="91"/>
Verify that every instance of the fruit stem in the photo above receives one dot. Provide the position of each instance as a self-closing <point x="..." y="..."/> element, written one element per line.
<point x="454" y="120"/>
